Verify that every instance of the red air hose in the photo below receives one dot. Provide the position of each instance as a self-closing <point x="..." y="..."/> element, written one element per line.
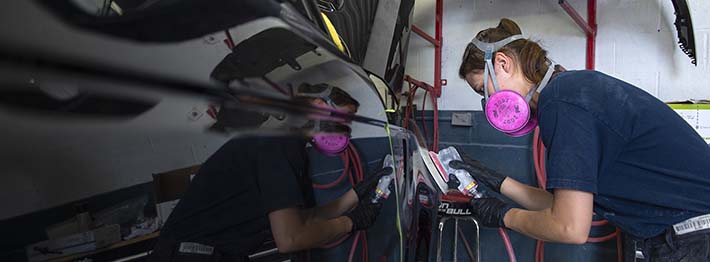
<point x="346" y="169"/>
<point x="602" y="238"/>
<point x="469" y="251"/>
<point x="336" y="243"/>
<point x="508" y="244"/>
<point x="408" y="108"/>
<point x="351" y="162"/>
<point x="619" y="247"/>
<point x="541" y="182"/>
<point x="365" y="250"/>
<point x="359" y="176"/>
<point x="353" y="247"/>
<point x="426" y="133"/>
<point x="539" y="251"/>
<point x="600" y="223"/>
<point x="429" y="91"/>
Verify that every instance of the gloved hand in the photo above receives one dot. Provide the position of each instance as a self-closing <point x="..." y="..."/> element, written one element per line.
<point x="478" y="171"/>
<point x="364" y="215"/>
<point x="453" y="183"/>
<point x="366" y="188"/>
<point x="489" y="211"/>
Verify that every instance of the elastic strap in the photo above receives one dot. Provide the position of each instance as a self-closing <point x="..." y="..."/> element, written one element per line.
<point x="489" y="49"/>
<point x="325" y="95"/>
<point x="495" y="46"/>
<point x="543" y="83"/>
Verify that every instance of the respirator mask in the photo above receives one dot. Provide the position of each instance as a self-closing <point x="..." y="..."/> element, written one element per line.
<point x="327" y="143"/>
<point x="506" y="110"/>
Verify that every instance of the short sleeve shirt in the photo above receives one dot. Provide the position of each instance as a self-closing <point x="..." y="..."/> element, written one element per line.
<point x="646" y="166"/>
<point x="228" y="200"/>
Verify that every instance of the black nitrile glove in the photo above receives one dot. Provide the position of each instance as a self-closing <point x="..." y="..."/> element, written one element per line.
<point x="453" y="182"/>
<point x="478" y="171"/>
<point x="364" y="215"/>
<point x="489" y="211"/>
<point x="366" y="187"/>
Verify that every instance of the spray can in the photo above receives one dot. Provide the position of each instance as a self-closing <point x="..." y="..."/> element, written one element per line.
<point x="467" y="185"/>
<point x="382" y="190"/>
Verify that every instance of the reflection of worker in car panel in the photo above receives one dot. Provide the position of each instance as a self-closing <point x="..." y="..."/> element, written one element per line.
<point x="254" y="188"/>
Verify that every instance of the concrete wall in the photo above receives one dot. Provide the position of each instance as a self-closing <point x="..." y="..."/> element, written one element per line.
<point x="636" y="42"/>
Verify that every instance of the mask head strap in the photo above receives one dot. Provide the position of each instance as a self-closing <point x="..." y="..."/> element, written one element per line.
<point x="543" y="83"/>
<point x="317" y="127"/>
<point x="495" y="46"/>
<point x="489" y="49"/>
<point x="325" y="95"/>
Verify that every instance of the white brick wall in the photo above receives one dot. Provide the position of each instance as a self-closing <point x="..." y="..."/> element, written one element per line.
<point x="636" y="42"/>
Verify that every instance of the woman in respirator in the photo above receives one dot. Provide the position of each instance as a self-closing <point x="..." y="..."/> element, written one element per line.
<point x="611" y="147"/>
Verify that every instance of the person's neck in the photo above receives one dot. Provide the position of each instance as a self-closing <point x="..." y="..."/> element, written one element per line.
<point x="521" y="85"/>
<point x="533" y="101"/>
<point x="536" y="96"/>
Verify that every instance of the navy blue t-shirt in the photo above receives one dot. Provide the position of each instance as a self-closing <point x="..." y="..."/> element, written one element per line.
<point x="228" y="201"/>
<point x="646" y="166"/>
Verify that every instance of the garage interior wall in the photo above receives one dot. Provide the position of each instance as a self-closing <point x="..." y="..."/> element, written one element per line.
<point x="636" y="42"/>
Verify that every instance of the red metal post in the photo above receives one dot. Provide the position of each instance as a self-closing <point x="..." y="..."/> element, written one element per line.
<point x="437" y="41"/>
<point x="591" y="37"/>
<point x="424" y="35"/>
<point x="418" y="83"/>
<point x="437" y="51"/>
<point x="577" y="17"/>
<point x="589" y="27"/>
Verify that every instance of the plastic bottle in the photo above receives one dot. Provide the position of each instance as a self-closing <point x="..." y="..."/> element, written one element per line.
<point x="382" y="190"/>
<point x="467" y="185"/>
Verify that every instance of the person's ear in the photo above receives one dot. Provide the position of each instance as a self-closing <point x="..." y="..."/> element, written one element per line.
<point x="503" y="65"/>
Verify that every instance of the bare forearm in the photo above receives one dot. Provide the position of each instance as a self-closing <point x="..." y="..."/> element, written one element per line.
<point x="567" y="221"/>
<point x="531" y="198"/>
<point x="539" y="225"/>
<point x="333" y="209"/>
<point x="318" y="234"/>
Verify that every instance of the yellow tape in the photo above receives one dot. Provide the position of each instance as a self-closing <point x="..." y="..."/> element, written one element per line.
<point x="683" y="106"/>
<point x="333" y="33"/>
<point x="690" y="106"/>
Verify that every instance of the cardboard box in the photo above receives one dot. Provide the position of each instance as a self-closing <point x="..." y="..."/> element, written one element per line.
<point x="73" y="244"/>
<point x="80" y="223"/>
<point x="169" y="187"/>
<point x="696" y="113"/>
